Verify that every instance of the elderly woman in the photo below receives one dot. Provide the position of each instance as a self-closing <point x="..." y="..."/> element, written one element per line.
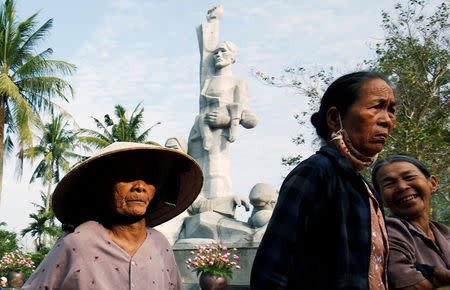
<point x="419" y="248"/>
<point x="112" y="199"/>
<point x="327" y="230"/>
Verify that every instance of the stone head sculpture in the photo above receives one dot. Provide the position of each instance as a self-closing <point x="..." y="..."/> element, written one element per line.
<point x="225" y="54"/>
<point x="178" y="143"/>
<point x="263" y="196"/>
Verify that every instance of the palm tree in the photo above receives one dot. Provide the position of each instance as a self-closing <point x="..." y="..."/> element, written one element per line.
<point x="126" y="130"/>
<point x="55" y="148"/>
<point x="39" y="229"/>
<point x="28" y="80"/>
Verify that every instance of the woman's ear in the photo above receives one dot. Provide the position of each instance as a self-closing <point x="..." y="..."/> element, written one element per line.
<point x="333" y="119"/>
<point x="433" y="183"/>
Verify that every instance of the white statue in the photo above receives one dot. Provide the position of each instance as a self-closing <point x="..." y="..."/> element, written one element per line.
<point x="224" y="104"/>
<point x="178" y="143"/>
<point x="263" y="197"/>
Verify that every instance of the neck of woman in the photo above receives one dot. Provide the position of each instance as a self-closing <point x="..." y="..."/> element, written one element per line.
<point x="127" y="235"/>
<point x="423" y="222"/>
<point x="223" y="71"/>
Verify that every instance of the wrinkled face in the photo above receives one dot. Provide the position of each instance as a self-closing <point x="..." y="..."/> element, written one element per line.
<point x="131" y="198"/>
<point x="370" y="119"/>
<point x="405" y="190"/>
<point x="223" y="56"/>
<point x="131" y="188"/>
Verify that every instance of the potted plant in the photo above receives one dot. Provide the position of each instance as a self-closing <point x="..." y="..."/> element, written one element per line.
<point x="16" y="263"/>
<point x="213" y="263"/>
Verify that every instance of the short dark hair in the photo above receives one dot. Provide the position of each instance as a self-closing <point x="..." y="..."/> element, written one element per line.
<point x="397" y="158"/>
<point x="342" y="93"/>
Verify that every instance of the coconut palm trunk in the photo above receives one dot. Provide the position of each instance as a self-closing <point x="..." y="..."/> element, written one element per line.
<point x="2" y="143"/>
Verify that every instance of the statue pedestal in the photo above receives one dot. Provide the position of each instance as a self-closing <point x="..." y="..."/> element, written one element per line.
<point x="207" y="226"/>
<point x="241" y="277"/>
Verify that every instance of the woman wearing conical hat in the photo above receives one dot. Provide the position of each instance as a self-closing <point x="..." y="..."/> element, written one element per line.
<point x="111" y="201"/>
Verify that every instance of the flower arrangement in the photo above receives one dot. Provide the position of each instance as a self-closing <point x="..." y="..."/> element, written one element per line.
<point x="214" y="259"/>
<point x="16" y="260"/>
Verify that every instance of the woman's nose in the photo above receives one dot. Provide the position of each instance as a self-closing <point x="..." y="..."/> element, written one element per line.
<point x="139" y="186"/>
<point x="387" y="119"/>
<point x="402" y="185"/>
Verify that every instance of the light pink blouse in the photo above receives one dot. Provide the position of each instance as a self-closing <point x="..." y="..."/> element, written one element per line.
<point x="89" y="259"/>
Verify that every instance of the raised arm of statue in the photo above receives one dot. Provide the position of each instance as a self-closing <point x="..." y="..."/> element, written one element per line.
<point x="208" y="38"/>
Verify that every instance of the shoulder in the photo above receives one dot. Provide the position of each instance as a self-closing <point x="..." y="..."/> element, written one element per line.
<point x="398" y="229"/>
<point x="442" y="228"/>
<point x="158" y="238"/>
<point x="83" y="233"/>
<point x="317" y="166"/>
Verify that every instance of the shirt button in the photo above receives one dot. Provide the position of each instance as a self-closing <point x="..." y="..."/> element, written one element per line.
<point x="132" y="285"/>
<point x="133" y="263"/>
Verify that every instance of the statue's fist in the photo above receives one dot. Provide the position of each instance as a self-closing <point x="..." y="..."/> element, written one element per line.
<point x="239" y="201"/>
<point x="214" y="13"/>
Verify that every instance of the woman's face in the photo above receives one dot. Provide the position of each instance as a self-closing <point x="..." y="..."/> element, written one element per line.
<point x="370" y="119"/>
<point x="223" y="56"/>
<point x="131" y="198"/>
<point x="405" y="190"/>
<point x="131" y="189"/>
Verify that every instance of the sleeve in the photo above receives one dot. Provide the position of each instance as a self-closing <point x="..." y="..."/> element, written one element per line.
<point x="401" y="255"/>
<point x="274" y="263"/>
<point x="53" y="270"/>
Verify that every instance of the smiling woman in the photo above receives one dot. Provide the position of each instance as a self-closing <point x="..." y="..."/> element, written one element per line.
<point x="111" y="199"/>
<point x="419" y="248"/>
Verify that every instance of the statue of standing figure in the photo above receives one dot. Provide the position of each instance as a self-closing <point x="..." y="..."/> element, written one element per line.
<point x="224" y="105"/>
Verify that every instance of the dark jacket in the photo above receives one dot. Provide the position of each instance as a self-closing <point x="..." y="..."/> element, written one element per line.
<point x="319" y="235"/>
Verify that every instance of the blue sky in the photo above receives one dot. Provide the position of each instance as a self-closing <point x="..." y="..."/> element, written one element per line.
<point x="131" y="51"/>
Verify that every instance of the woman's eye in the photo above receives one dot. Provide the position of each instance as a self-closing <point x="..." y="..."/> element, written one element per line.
<point x="388" y="184"/>
<point x="409" y="177"/>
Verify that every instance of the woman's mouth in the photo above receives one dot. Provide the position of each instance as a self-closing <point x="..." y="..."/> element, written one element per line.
<point x="381" y="138"/>
<point x="406" y="199"/>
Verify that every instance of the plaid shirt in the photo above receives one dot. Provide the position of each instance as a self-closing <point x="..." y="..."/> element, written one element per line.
<point x="319" y="235"/>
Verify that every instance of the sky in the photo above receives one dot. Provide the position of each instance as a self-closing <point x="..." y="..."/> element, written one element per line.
<point x="146" y="51"/>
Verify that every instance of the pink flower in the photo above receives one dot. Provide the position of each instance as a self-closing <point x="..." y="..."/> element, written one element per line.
<point x="238" y="267"/>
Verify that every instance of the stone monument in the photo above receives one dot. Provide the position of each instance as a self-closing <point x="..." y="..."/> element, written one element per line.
<point x="223" y="107"/>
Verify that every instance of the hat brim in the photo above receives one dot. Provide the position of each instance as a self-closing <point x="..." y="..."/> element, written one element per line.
<point x="178" y="183"/>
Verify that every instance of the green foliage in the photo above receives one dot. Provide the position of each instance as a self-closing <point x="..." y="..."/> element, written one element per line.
<point x="56" y="148"/>
<point x="39" y="228"/>
<point x="8" y="241"/>
<point x="415" y="56"/>
<point x="124" y="130"/>
<point x="28" y="80"/>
